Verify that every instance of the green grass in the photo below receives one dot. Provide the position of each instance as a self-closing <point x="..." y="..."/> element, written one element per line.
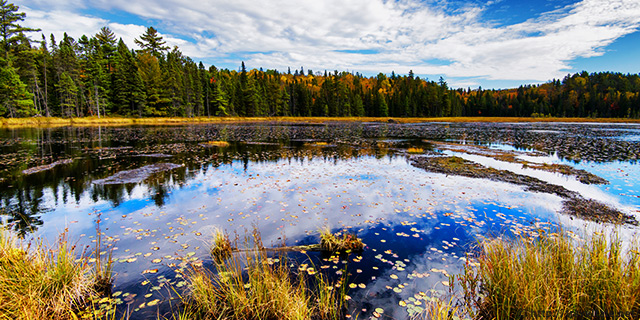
<point x="251" y="285"/>
<point x="554" y="277"/>
<point x="341" y="241"/>
<point x="41" y="282"/>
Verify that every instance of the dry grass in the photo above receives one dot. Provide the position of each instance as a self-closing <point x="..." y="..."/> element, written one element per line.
<point x="219" y="144"/>
<point x="415" y="150"/>
<point x="40" y="282"/>
<point x="250" y="285"/>
<point x="119" y="121"/>
<point x="554" y="277"/>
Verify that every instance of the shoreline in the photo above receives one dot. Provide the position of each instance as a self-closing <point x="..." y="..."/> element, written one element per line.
<point x="35" y="122"/>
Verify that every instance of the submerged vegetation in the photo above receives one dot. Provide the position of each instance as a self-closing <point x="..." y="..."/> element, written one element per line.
<point x="41" y="282"/>
<point x="251" y="285"/>
<point x="555" y="276"/>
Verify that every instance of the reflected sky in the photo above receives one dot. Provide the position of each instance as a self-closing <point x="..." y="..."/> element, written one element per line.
<point x="417" y="226"/>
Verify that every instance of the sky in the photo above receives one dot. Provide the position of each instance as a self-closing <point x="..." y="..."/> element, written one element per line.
<point x="492" y="44"/>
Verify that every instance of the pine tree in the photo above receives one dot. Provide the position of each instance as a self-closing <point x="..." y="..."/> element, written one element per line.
<point x="149" y="69"/>
<point x="68" y="93"/>
<point x="152" y="43"/>
<point x="10" y="31"/>
<point x="15" y="99"/>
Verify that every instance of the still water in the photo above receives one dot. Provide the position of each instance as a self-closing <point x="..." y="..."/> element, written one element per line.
<point x="290" y="180"/>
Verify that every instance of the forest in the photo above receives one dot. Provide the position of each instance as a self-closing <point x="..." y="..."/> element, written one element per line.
<point x="99" y="75"/>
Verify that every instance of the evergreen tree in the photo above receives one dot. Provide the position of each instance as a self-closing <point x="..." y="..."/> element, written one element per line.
<point x="68" y="93"/>
<point x="10" y="31"/>
<point x="15" y="99"/>
<point x="152" y="43"/>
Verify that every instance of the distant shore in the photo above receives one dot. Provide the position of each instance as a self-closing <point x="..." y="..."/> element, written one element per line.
<point x="124" y="121"/>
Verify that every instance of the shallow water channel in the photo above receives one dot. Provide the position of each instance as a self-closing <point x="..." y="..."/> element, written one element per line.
<point x="161" y="191"/>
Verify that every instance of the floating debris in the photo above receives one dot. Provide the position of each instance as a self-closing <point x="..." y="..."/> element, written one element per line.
<point x="155" y="155"/>
<point x="46" y="166"/>
<point x="137" y="175"/>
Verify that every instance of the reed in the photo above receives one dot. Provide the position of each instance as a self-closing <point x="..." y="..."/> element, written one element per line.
<point x="554" y="277"/>
<point x="251" y="285"/>
<point x="221" y="248"/>
<point x="41" y="282"/>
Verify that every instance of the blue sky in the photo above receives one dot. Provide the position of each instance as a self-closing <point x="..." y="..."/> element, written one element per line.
<point x="493" y="44"/>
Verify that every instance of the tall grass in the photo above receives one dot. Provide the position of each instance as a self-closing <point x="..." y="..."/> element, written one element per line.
<point x="439" y="308"/>
<point x="554" y="277"/>
<point x="38" y="282"/>
<point x="251" y="285"/>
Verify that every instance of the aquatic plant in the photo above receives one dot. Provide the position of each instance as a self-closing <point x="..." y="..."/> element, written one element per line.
<point x="339" y="241"/>
<point x="217" y="143"/>
<point x="436" y="308"/>
<point x="253" y="285"/>
<point x="553" y="276"/>
<point x="40" y="282"/>
<point x="221" y="248"/>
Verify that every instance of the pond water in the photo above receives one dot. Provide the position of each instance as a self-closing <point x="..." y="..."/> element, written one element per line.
<point x="290" y="180"/>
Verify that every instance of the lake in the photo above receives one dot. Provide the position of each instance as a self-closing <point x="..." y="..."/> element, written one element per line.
<point x="160" y="192"/>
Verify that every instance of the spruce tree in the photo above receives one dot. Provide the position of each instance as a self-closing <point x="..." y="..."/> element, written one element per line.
<point x="152" y="43"/>
<point x="10" y="31"/>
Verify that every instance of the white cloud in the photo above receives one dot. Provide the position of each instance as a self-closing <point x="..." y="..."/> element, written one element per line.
<point x="399" y="35"/>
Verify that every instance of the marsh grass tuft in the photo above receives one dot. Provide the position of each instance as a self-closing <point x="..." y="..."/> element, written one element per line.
<point x="415" y="150"/>
<point x="221" y="248"/>
<point x="438" y="308"/>
<point x="219" y="144"/>
<point x="251" y="285"/>
<point x="554" y="277"/>
<point x="40" y="282"/>
<point x="341" y="241"/>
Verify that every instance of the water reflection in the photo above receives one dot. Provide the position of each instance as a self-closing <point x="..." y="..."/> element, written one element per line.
<point x="288" y="181"/>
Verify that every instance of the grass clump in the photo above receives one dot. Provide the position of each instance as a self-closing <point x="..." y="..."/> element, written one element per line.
<point x="221" y="248"/>
<point x="252" y="285"/>
<point x="415" y="150"/>
<point x="554" y="277"/>
<point x="38" y="282"/>
<point x="339" y="241"/>
<point x="219" y="144"/>
<point x="436" y="308"/>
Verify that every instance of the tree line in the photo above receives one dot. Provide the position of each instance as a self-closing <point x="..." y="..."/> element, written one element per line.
<point x="99" y="75"/>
